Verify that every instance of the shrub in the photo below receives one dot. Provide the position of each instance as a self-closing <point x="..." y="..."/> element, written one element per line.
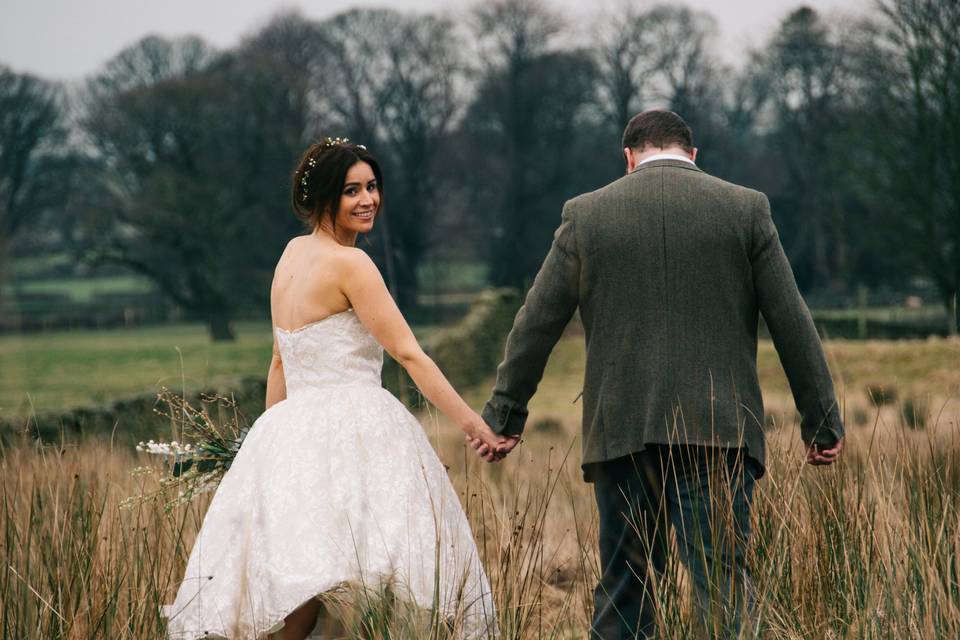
<point x="468" y="352"/>
<point x="915" y="412"/>
<point x="548" y="425"/>
<point x="131" y="419"/>
<point x="881" y="394"/>
<point x="861" y="417"/>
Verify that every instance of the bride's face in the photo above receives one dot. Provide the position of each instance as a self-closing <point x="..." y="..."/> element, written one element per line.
<point x="359" y="200"/>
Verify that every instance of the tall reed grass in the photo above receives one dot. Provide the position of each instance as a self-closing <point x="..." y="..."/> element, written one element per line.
<point x="868" y="548"/>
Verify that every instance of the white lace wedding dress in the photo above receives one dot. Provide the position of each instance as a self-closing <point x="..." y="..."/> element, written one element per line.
<point x="335" y="485"/>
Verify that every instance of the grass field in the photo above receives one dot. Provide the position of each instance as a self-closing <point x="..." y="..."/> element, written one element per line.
<point x="52" y="371"/>
<point x="84" y="290"/>
<point x="921" y="371"/>
<point x="867" y="549"/>
<point x="60" y="370"/>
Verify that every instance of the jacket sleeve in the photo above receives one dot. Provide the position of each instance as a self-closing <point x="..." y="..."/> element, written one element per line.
<point x="547" y="309"/>
<point x="793" y="332"/>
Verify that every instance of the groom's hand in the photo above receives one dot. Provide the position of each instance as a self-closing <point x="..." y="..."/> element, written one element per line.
<point x="821" y="454"/>
<point x="493" y="455"/>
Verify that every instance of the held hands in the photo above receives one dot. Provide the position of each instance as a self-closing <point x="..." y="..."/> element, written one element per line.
<point x="487" y="444"/>
<point x="823" y="454"/>
<point x="494" y="454"/>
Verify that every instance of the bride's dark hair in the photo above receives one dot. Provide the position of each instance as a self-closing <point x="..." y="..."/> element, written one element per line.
<point x="320" y="176"/>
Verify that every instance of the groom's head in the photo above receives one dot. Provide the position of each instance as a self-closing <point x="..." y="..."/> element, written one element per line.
<point x="656" y="131"/>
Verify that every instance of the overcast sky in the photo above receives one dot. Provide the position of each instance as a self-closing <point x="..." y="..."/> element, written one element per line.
<point x="67" y="39"/>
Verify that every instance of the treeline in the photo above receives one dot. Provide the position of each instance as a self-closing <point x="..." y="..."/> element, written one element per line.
<point x="175" y="159"/>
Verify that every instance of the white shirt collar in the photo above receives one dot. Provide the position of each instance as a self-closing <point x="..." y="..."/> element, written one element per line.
<point x="667" y="156"/>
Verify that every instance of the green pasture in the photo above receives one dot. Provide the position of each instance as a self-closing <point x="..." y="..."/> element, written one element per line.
<point x="925" y="372"/>
<point x="40" y="264"/>
<point x="58" y="370"/>
<point x="436" y="276"/>
<point x="884" y="314"/>
<point x="50" y="371"/>
<point x="64" y="369"/>
<point x="86" y="289"/>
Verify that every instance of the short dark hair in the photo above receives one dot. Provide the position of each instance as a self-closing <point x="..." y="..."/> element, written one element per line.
<point x="659" y="128"/>
<point x="320" y="176"/>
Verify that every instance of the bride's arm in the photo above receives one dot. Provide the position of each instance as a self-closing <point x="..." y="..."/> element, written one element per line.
<point x="363" y="285"/>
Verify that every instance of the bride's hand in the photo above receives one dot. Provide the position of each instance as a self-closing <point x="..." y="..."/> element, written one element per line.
<point x="490" y="443"/>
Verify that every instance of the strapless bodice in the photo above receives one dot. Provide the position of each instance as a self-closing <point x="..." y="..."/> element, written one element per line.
<point x="335" y="351"/>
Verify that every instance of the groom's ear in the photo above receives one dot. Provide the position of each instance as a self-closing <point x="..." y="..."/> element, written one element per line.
<point x="628" y="155"/>
<point x="693" y="154"/>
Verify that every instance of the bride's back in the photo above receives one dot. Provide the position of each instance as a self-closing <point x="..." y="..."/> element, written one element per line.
<point x="306" y="283"/>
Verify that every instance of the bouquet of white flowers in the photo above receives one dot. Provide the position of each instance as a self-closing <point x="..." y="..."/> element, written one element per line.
<point x="197" y="462"/>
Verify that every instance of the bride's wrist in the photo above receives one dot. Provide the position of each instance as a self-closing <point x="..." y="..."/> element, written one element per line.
<point x="472" y="425"/>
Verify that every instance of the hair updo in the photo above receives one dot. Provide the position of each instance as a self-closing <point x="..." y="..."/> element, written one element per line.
<point x="320" y="176"/>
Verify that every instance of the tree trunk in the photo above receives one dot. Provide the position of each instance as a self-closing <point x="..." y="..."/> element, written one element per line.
<point x="953" y="320"/>
<point x="3" y="274"/>
<point x="821" y="263"/>
<point x="863" y="295"/>
<point x="220" y="327"/>
<point x="388" y="256"/>
<point x="406" y="284"/>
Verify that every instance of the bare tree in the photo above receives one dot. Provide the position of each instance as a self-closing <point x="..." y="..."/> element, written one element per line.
<point x="626" y="63"/>
<point x="290" y="47"/>
<point x="353" y="71"/>
<point x="421" y="101"/>
<point x="151" y="60"/>
<point x="685" y="58"/>
<point x="809" y="76"/>
<point x="195" y="173"/>
<point x="663" y="56"/>
<point x="523" y="125"/>
<point x="390" y="80"/>
<point x="914" y="65"/>
<point x="32" y="163"/>
<point x="351" y="81"/>
<point x="515" y="32"/>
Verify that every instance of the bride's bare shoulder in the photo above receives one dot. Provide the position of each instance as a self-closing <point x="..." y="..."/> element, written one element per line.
<point x="353" y="262"/>
<point x="294" y="246"/>
<point x="352" y="256"/>
<point x="326" y="263"/>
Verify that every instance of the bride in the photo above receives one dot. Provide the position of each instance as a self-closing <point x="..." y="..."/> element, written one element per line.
<point x="336" y="483"/>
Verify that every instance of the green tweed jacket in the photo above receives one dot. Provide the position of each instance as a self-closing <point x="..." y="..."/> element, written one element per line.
<point x="669" y="268"/>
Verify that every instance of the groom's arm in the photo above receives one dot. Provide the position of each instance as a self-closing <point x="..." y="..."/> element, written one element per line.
<point x="793" y="332"/>
<point x="547" y="309"/>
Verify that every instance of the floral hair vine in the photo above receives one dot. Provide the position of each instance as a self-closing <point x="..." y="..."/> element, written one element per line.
<point x="328" y="143"/>
<point x="336" y="142"/>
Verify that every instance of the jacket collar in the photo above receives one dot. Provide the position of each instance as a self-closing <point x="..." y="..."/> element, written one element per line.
<point x="667" y="162"/>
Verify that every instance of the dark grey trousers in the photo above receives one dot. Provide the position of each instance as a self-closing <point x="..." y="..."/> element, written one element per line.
<point x="703" y="494"/>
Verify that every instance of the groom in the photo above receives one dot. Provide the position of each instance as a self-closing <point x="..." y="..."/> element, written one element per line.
<point x="669" y="268"/>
